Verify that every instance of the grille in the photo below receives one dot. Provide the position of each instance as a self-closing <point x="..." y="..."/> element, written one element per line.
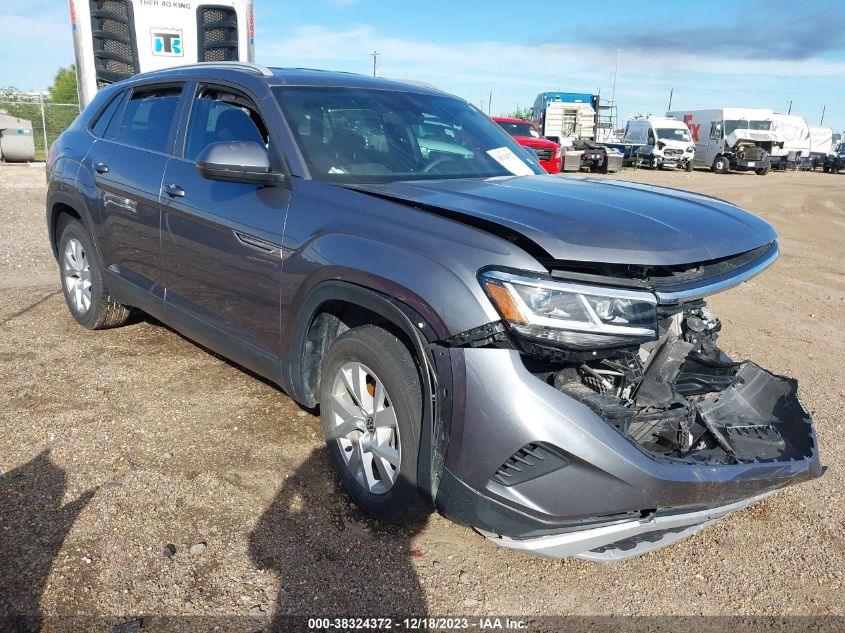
<point x="673" y="152"/>
<point x="218" y="34"/>
<point x="529" y="462"/>
<point x="544" y="153"/>
<point x="115" y="49"/>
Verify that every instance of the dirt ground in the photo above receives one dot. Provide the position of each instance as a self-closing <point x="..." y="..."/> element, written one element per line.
<point x="141" y="475"/>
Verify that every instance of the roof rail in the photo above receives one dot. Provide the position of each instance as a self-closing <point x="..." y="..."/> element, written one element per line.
<point x="247" y="66"/>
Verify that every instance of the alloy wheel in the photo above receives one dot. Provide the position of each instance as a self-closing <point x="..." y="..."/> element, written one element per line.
<point x="77" y="275"/>
<point x="365" y="427"/>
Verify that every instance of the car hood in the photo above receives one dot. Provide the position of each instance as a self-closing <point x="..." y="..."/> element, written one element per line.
<point x="590" y="220"/>
<point x="755" y="136"/>
<point x="530" y="141"/>
<point x="671" y="142"/>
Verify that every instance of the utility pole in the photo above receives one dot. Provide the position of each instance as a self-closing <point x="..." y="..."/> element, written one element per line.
<point x="824" y="107"/>
<point x="44" y="122"/>
<point x="671" y="92"/>
<point x="789" y="111"/>
<point x="375" y="56"/>
<point x="489" y="102"/>
<point x="615" y="75"/>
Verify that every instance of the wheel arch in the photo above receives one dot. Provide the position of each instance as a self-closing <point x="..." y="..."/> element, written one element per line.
<point x="333" y="307"/>
<point x="63" y="204"/>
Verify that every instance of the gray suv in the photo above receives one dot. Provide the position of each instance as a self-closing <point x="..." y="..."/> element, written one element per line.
<point x="530" y="355"/>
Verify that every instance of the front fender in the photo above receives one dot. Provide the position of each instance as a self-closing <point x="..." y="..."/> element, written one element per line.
<point x="435" y="367"/>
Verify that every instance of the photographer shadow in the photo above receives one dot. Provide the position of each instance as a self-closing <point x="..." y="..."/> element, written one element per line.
<point x="331" y="560"/>
<point x="33" y="527"/>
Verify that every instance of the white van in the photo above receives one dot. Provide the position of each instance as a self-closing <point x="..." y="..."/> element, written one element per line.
<point x="115" y="39"/>
<point x="663" y="142"/>
<point x="741" y="139"/>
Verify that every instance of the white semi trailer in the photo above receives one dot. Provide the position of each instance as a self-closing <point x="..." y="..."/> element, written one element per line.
<point x="115" y="39"/>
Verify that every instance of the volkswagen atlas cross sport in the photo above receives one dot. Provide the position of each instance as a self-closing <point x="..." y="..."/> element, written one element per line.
<point x="531" y="355"/>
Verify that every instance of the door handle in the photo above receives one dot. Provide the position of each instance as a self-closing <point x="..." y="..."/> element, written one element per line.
<point x="174" y="191"/>
<point x="101" y="168"/>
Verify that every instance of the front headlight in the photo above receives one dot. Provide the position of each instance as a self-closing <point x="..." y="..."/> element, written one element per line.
<point x="572" y="315"/>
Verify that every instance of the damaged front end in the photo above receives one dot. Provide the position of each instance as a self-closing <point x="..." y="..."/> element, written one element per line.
<point x="682" y="398"/>
<point x="626" y="427"/>
<point x="646" y="360"/>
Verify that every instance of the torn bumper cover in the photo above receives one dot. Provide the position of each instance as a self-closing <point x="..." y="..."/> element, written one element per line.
<point x="625" y="539"/>
<point x="585" y="487"/>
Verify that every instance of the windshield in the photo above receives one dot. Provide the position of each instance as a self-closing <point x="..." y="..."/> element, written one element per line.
<point x="742" y="124"/>
<point x="673" y="134"/>
<point x="366" y="135"/>
<point x="519" y="129"/>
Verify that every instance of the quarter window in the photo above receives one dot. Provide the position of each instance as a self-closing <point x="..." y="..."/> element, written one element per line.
<point x="99" y="128"/>
<point x="149" y="117"/>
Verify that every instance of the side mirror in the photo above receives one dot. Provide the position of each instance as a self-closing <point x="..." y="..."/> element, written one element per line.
<point x="243" y="162"/>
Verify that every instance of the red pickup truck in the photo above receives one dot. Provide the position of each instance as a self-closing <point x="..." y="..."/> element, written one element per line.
<point x="548" y="152"/>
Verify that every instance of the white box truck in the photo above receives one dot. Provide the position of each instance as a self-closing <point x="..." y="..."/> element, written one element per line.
<point x="660" y="142"/>
<point x="115" y="39"/>
<point x="741" y="139"/>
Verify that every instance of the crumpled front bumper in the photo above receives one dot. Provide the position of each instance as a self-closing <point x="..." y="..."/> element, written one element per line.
<point x="605" y="484"/>
<point x="626" y="539"/>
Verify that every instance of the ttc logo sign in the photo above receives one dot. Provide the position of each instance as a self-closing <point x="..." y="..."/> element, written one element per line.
<point x="167" y="42"/>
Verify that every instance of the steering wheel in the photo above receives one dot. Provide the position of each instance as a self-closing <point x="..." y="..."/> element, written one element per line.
<point x="436" y="162"/>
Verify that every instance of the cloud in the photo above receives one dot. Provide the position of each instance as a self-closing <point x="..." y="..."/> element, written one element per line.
<point x="770" y="31"/>
<point x="516" y="73"/>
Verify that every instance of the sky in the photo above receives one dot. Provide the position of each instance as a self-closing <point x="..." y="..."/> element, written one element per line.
<point x="710" y="54"/>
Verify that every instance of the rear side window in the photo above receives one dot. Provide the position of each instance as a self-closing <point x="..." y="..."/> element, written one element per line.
<point x="149" y="117"/>
<point x="106" y="116"/>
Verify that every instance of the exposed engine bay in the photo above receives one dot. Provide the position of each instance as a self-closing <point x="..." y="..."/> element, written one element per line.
<point x="752" y="151"/>
<point x="683" y="399"/>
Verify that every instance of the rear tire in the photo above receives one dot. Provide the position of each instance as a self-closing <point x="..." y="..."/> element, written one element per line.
<point x="371" y="407"/>
<point x="82" y="282"/>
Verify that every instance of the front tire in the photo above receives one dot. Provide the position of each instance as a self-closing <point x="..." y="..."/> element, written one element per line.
<point x="371" y="408"/>
<point x="763" y="170"/>
<point x="689" y="165"/>
<point x="721" y="165"/>
<point x="82" y="282"/>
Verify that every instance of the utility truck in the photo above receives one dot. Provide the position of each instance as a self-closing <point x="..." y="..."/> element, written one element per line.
<point x="116" y="39"/>
<point x="739" y="139"/>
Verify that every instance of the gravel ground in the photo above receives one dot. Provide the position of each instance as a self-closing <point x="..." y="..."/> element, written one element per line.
<point x="141" y="475"/>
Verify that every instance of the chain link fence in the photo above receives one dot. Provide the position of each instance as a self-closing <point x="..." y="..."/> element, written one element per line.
<point x="48" y="120"/>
